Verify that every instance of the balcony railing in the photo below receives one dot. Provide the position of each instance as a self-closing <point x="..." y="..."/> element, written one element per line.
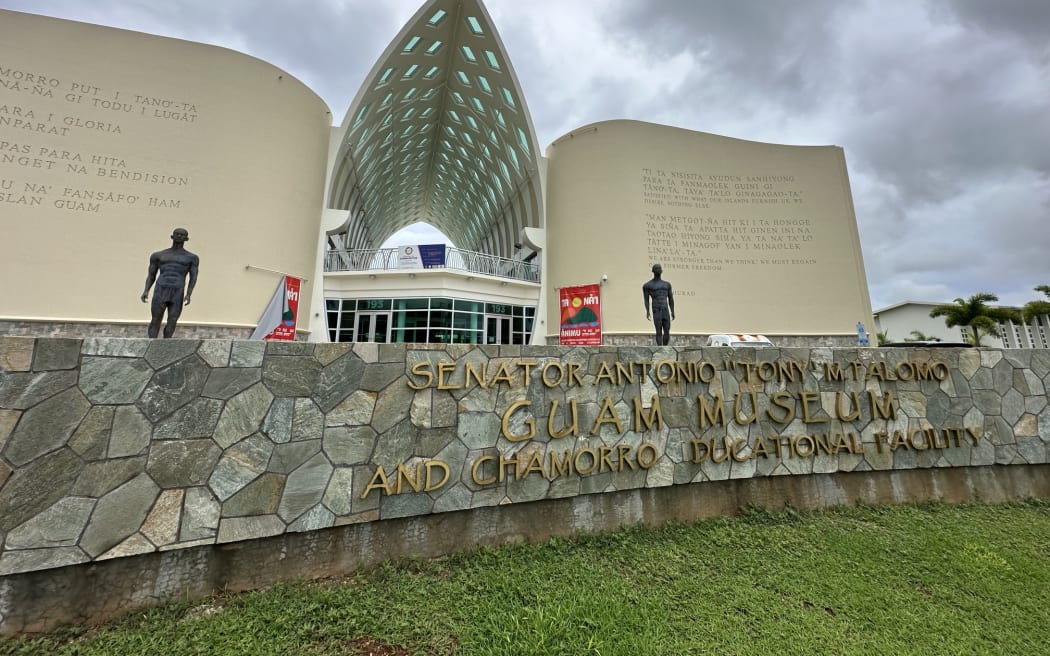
<point x="389" y="259"/>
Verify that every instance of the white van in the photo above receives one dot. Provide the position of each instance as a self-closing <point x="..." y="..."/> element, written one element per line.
<point x="738" y="340"/>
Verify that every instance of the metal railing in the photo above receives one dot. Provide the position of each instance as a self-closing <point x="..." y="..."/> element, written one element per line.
<point x="456" y="259"/>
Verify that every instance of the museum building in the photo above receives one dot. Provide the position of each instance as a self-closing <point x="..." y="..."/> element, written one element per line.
<point x="755" y="237"/>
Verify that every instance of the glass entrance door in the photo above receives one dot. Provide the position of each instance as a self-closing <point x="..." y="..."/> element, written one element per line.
<point x="497" y="329"/>
<point x="372" y="327"/>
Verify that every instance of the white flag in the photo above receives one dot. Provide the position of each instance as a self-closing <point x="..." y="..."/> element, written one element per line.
<point x="278" y="314"/>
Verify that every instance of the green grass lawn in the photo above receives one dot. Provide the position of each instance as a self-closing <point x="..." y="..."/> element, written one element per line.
<point x="931" y="579"/>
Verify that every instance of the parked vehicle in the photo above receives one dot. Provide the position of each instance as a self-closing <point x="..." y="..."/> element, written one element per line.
<point x="740" y="339"/>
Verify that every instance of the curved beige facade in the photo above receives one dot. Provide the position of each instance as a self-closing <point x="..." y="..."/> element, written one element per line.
<point x="754" y="237"/>
<point x="109" y="139"/>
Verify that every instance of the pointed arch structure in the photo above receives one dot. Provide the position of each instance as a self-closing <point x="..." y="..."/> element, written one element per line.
<point x="439" y="133"/>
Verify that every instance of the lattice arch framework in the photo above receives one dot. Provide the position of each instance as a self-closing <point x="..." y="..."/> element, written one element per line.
<point x="440" y="133"/>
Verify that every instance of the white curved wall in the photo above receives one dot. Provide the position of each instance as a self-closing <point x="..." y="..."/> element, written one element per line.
<point x="109" y="139"/>
<point x="754" y="237"/>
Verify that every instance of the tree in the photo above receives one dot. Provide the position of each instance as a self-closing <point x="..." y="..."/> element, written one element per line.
<point x="882" y="337"/>
<point x="975" y="313"/>
<point x="1032" y="310"/>
<point x="919" y="336"/>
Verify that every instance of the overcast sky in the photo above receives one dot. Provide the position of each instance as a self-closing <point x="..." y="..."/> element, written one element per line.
<point x="942" y="106"/>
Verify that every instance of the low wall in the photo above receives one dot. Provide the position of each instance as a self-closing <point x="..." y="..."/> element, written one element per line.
<point x="138" y="471"/>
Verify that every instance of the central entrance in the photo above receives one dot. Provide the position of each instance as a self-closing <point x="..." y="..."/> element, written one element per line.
<point x="373" y="327"/>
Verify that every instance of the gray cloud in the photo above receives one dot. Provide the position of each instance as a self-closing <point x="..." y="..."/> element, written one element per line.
<point x="940" y="105"/>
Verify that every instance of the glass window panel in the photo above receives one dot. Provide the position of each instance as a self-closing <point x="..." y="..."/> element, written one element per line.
<point x="412" y="304"/>
<point x="508" y="97"/>
<point x="477" y="104"/>
<point x="410" y="94"/>
<point x="410" y="71"/>
<point x="434" y="47"/>
<point x="361" y="115"/>
<point x="484" y="84"/>
<point x="466" y="336"/>
<point x="523" y="140"/>
<point x="438" y="303"/>
<point x="455" y="115"/>
<point x="440" y="336"/>
<point x="463" y="79"/>
<point x="490" y="57"/>
<point x="411" y="45"/>
<point x="497" y="308"/>
<point x="469" y="54"/>
<point x="387" y="74"/>
<point x="434" y="70"/>
<point x="458" y="98"/>
<point x="466" y="320"/>
<point x="467" y="306"/>
<point x="440" y="318"/>
<point x="332" y="303"/>
<point x="475" y="25"/>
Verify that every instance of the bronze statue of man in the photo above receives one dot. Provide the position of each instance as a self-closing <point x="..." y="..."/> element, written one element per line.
<point x="660" y="293"/>
<point x="169" y="269"/>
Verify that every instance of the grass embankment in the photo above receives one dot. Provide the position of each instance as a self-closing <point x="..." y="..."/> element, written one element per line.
<point x="931" y="579"/>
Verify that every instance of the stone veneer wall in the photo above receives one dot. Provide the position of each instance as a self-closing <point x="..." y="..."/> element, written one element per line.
<point x="124" y="450"/>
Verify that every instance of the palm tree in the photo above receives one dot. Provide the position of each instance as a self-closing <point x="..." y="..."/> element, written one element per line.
<point x="975" y="313"/>
<point x="919" y="336"/>
<point x="1032" y="310"/>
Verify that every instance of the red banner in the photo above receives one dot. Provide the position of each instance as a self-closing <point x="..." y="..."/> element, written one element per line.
<point x="581" y="316"/>
<point x="279" y="318"/>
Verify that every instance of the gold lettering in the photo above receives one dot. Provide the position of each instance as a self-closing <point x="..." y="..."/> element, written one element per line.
<point x="446" y="368"/>
<point x="607" y="415"/>
<point x="509" y="462"/>
<point x="808" y="398"/>
<point x="479" y="378"/>
<point x="576" y="461"/>
<point x="854" y="413"/>
<point x="574" y="423"/>
<point x="604" y="373"/>
<point x="529" y="422"/>
<point x="414" y="479"/>
<point x="476" y="467"/>
<point x="716" y="415"/>
<point x="647" y="455"/>
<point x="738" y="414"/>
<point x="885" y="410"/>
<point x="623" y="456"/>
<point x="785" y="401"/>
<point x="561" y="467"/>
<point x="436" y="464"/>
<point x="423" y="370"/>
<point x="502" y="374"/>
<point x="575" y="378"/>
<point x="378" y="482"/>
<point x="558" y="368"/>
<point x="654" y="415"/>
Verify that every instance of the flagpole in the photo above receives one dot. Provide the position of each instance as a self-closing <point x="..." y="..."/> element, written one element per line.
<point x="283" y="273"/>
